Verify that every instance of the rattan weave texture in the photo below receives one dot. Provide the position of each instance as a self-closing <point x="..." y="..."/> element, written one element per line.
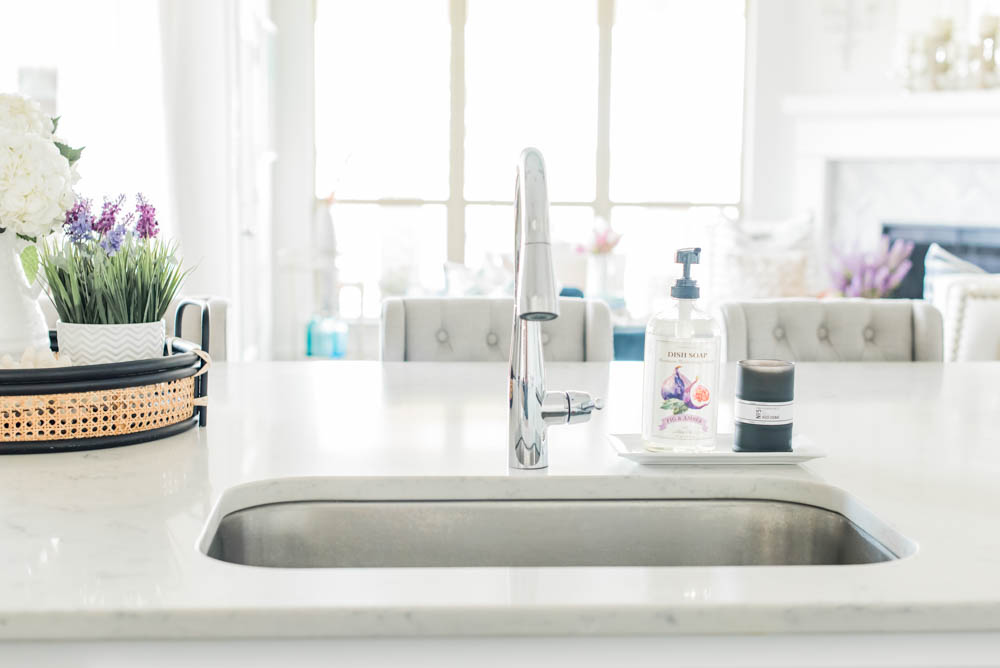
<point x="81" y="415"/>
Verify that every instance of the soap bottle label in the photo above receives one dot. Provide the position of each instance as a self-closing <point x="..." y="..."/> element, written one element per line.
<point x="685" y="402"/>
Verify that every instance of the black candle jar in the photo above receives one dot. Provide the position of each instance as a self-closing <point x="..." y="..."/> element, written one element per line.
<point x="765" y="390"/>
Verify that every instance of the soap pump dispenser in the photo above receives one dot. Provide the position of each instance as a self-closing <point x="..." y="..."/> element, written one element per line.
<point x="681" y="370"/>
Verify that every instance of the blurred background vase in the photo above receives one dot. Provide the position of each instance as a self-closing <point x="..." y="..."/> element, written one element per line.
<point x="22" y="324"/>
<point x="606" y="276"/>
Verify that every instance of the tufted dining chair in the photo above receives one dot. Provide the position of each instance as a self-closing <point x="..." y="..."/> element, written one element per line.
<point x="478" y="329"/>
<point x="833" y="330"/>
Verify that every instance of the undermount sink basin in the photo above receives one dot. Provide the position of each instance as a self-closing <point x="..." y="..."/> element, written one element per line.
<point x="699" y="532"/>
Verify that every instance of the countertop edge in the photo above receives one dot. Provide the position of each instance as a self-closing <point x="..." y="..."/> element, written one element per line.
<point x="467" y="621"/>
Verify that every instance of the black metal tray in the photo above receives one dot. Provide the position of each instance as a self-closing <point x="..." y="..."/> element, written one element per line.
<point x="180" y="361"/>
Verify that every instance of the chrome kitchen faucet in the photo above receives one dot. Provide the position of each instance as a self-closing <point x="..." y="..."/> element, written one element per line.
<point x="531" y="409"/>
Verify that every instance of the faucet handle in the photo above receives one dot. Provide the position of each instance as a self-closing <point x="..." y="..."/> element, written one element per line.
<point x="581" y="405"/>
<point x="570" y="407"/>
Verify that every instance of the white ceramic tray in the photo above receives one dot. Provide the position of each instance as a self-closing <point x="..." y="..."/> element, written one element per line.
<point x="630" y="446"/>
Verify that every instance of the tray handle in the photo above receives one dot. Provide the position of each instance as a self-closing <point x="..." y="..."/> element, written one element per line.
<point x="201" y="382"/>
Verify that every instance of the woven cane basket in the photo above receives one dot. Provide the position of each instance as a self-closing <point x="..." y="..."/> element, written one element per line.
<point x="102" y="405"/>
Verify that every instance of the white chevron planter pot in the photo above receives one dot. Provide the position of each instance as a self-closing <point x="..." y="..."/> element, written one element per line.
<point x="102" y="344"/>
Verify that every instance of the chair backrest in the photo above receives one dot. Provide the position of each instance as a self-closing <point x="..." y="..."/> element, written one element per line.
<point x="474" y="329"/>
<point x="217" y="310"/>
<point x="971" y="307"/>
<point x="832" y="330"/>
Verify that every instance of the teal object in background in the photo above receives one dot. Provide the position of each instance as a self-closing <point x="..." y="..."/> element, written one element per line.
<point x="326" y="337"/>
<point x="629" y="343"/>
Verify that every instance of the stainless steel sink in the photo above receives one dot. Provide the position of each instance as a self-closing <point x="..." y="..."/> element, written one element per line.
<point x="701" y="532"/>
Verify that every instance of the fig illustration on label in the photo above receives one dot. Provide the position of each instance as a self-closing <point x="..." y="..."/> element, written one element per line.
<point x="682" y="394"/>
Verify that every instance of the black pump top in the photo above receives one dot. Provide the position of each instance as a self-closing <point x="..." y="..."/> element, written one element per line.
<point x="686" y="287"/>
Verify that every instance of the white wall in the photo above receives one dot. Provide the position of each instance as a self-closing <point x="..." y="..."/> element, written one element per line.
<point x="767" y="160"/>
<point x="801" y="47"/>
<point x="822" y="47"/>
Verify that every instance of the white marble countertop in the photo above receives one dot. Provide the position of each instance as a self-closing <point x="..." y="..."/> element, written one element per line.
<point x="104" y="544"/>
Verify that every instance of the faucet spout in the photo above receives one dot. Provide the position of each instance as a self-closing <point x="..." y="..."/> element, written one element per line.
<point x="534" y="282"/>
<point x="530" y="408"/>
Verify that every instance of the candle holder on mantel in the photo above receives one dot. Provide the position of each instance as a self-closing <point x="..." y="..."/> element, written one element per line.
<point x="765" y="392"/>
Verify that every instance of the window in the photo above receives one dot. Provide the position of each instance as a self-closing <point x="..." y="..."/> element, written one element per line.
<point x="423" y="107"/>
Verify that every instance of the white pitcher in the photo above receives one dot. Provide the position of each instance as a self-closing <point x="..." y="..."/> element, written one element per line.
<point x="21" y="321"/>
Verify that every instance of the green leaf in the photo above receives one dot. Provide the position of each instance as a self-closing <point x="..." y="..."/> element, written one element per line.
<point x="71" y="154"/>
<point x="26" y="237"/>
<point x="29" y="261"/>
<point x="675" y="406"/>
<point x="55" y="123"/>
<point x="134" y="285"/>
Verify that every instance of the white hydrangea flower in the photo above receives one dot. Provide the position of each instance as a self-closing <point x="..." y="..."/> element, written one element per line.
<point x="36" y="184"/>
<point x="22" y="114"/>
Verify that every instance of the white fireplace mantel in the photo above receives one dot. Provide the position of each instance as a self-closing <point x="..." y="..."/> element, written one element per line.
<point x="962" y="103"/>
<point x="943" y="126"/>
<point x="948" y="126"/>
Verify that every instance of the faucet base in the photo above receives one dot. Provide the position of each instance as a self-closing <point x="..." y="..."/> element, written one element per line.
<point x="529" y="457"/>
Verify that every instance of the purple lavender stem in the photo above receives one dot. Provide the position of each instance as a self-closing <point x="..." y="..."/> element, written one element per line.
<point x="147" y="227"/>
<point x="875" y="274"/>
<point x="109" y="215"/>
<point x="79" y="221"/>
<point x="899" y="274"/>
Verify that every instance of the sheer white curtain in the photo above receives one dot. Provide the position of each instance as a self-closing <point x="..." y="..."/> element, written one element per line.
<point x="216" y="77"/>
<point x="196" y="38"/>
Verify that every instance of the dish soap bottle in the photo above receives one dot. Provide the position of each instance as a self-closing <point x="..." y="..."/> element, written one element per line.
<point x="681" y="370"/>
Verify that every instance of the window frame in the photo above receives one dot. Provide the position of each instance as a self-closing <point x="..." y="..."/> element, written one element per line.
<point x="602" y="205"/>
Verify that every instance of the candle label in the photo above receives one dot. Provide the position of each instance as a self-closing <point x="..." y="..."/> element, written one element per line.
<point x="763" y="412"/>
<point x="685" y="400"/>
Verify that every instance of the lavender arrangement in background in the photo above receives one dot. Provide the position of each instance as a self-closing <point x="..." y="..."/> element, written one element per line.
<point x="872" y="275"/>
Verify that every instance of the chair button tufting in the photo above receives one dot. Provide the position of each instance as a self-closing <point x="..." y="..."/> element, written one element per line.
<point x="822" y="333"/>
<point x="869" y="334"/>
<point x="779" y="333"/>
<point x="545" y="339"/>
<point x="491" y="339"/>
<point x="442" y="335"/>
